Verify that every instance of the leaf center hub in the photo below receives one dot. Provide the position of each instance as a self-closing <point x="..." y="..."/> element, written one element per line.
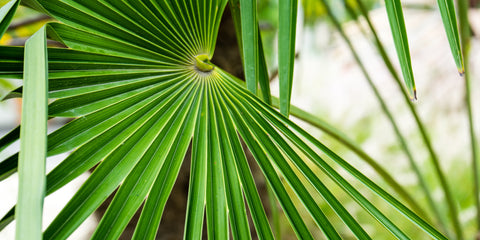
<point x="203" y="64"/>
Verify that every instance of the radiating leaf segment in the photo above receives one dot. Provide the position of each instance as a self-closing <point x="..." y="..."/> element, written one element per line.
<point x="33" y="144"/>
<point x="6" y="15"/>
<point x="286" y="51"/>
<point x="449" y="18"/>
<point x="397" y="24"/>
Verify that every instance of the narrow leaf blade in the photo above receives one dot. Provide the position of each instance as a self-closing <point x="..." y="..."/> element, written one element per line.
<point x="399" y="32"/>
<point x="216" y="205"/>
<point x="449" y="18"/>
<point x="198" y="174"/>
<point x="33" y="139"/>
<point x="248" y="13"/>
<point x="6" y="15"/>
<point x="286" y="51"/>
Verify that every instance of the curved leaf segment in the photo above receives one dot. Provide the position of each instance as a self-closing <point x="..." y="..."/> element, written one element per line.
<point x="137" y="79"/>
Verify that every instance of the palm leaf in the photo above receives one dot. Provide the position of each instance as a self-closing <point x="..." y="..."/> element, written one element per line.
<point x="399" y="32"/>
<point x="263" y="78"/>
<point x="447" y="10"/>
<point x="249" y="28"/>
<point x="6" y="15"/>
<point x="284" y="124"/>
<point x="286" y="51"/>
<point x="33" y="144"/>
<point x="138" y="81"/>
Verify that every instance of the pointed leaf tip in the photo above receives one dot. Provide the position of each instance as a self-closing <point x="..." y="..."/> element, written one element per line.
<point x="6" y="15"/>
<point x="399" y="33"/>
<point x="33" y="139"/>
<point x="286" y="51"/>
<point x="449" y="18"/>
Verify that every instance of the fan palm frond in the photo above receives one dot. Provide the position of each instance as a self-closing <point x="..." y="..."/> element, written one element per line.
<point x="138" y="80"/>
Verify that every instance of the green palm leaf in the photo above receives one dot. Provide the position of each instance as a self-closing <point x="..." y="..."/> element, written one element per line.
<point x="138" y="80"/>
<point x="449" y="18"/>
<point x="33" y="144"/>
<point x="286" y="51"/>
<point x="399" y="32"/>
<point x="6" y="15"/>
<point x="249" y="29"/>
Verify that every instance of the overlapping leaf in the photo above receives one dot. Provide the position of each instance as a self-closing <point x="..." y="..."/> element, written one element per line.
<point x="33" y="147"/>
<point x="399" y="32"/>
<point x="286" y="51"/>
<point x="6" y="15"/>
<point x="449" y="18"/>
<point x="138" y="81"/>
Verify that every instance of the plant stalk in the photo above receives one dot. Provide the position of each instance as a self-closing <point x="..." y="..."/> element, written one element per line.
<point x="465" y="36"/>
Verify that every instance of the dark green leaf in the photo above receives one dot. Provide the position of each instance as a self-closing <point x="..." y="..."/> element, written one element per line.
<point x="6" y="15"/>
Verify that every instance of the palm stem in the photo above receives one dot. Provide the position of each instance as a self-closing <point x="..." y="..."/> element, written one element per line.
<point x="465" y="35"/>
